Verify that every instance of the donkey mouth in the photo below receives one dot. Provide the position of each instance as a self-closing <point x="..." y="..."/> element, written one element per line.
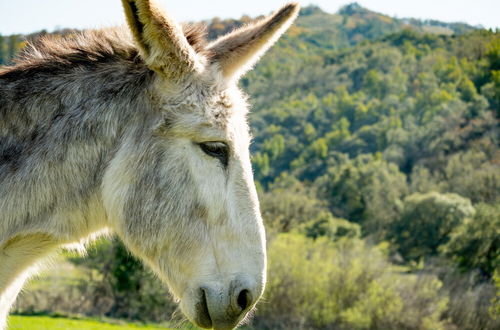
<point x="203" y="319"/>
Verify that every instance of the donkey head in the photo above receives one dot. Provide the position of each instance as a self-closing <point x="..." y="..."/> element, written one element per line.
<point x="180" y="190"/>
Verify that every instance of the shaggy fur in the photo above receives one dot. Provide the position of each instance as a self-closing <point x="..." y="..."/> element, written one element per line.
<point x="101" y="131"/>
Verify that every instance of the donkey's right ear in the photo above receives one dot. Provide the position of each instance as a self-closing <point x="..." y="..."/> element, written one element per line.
<point x="236" y="52"/>
<point x="161" y="42"/>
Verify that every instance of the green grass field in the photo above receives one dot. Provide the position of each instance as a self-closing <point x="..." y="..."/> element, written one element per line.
<point x="54" y="323"/>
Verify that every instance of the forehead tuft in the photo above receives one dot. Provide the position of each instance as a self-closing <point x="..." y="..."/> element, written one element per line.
<point x="203" y="107"/>
<point x="220" y="103"/>
<point x="224" y="100"/>
<point x="227" y="104"/>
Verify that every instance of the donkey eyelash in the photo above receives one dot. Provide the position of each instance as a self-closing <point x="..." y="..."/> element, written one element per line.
<point x="219" y="150"/>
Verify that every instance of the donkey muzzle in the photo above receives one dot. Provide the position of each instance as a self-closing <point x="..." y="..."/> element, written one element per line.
<point x="223" y="309"/>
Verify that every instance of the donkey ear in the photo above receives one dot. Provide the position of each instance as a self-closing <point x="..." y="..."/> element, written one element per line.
<point x="239" y="50"/>
<point x="161" y="41"/>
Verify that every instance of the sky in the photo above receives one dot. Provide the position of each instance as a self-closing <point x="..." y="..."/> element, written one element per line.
<point x="26" y="16"/>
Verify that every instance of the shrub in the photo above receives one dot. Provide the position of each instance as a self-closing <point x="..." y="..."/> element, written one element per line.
<point x="318" y="284"/>
<point x="325" y="224"/>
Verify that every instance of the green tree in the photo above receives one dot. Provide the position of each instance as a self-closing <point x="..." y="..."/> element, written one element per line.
<point x="366" y="190"/>
<point x="326" y="225"/>
<point x="2" y="50"/>
<point x="14" y="44"/>
<point x="427" y="222"/>
<point x="476" y="242"/>
<point x="121" y="286"/>
<point x="290" y="203"/>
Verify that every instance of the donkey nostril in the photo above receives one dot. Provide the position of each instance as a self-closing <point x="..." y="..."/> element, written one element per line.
<point x="244" y="299"/>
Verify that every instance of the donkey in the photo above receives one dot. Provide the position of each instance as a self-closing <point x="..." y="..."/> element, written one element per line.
<point x="141" y="132"/>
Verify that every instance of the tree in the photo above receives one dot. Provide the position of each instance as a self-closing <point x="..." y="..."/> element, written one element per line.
<point x="121" y="286"/>
<point x="427" y="222"/>
<point x="476" y="242"/>
<point x="326" y="225"/>
<point x="289" y="203"/>
<point x="2" y="50"/>
<point x="366" y="190"/>
<point x="13" y="46"/>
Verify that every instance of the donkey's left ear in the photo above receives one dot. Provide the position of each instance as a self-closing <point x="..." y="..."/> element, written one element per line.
<point x="160" y="40"/>
<point x="238" y="51"/>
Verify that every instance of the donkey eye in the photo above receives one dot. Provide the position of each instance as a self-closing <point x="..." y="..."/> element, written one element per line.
<point x="219" y="150"/>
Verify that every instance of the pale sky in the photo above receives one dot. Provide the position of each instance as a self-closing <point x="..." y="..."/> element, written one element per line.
<point x="25" y="16"/>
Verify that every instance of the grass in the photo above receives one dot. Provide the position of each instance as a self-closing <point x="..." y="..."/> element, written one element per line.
<point x="54" y="323"/>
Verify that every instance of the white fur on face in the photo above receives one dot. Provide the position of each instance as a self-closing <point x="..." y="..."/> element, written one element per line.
<point x="209" y="230"/>
<point x="235" y="239"/>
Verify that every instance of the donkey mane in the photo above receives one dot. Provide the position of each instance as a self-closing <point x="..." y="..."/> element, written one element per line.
<point x="54" y="54"/>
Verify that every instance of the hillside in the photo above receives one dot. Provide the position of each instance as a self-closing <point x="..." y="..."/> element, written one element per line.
<point x="351" y="25"/>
